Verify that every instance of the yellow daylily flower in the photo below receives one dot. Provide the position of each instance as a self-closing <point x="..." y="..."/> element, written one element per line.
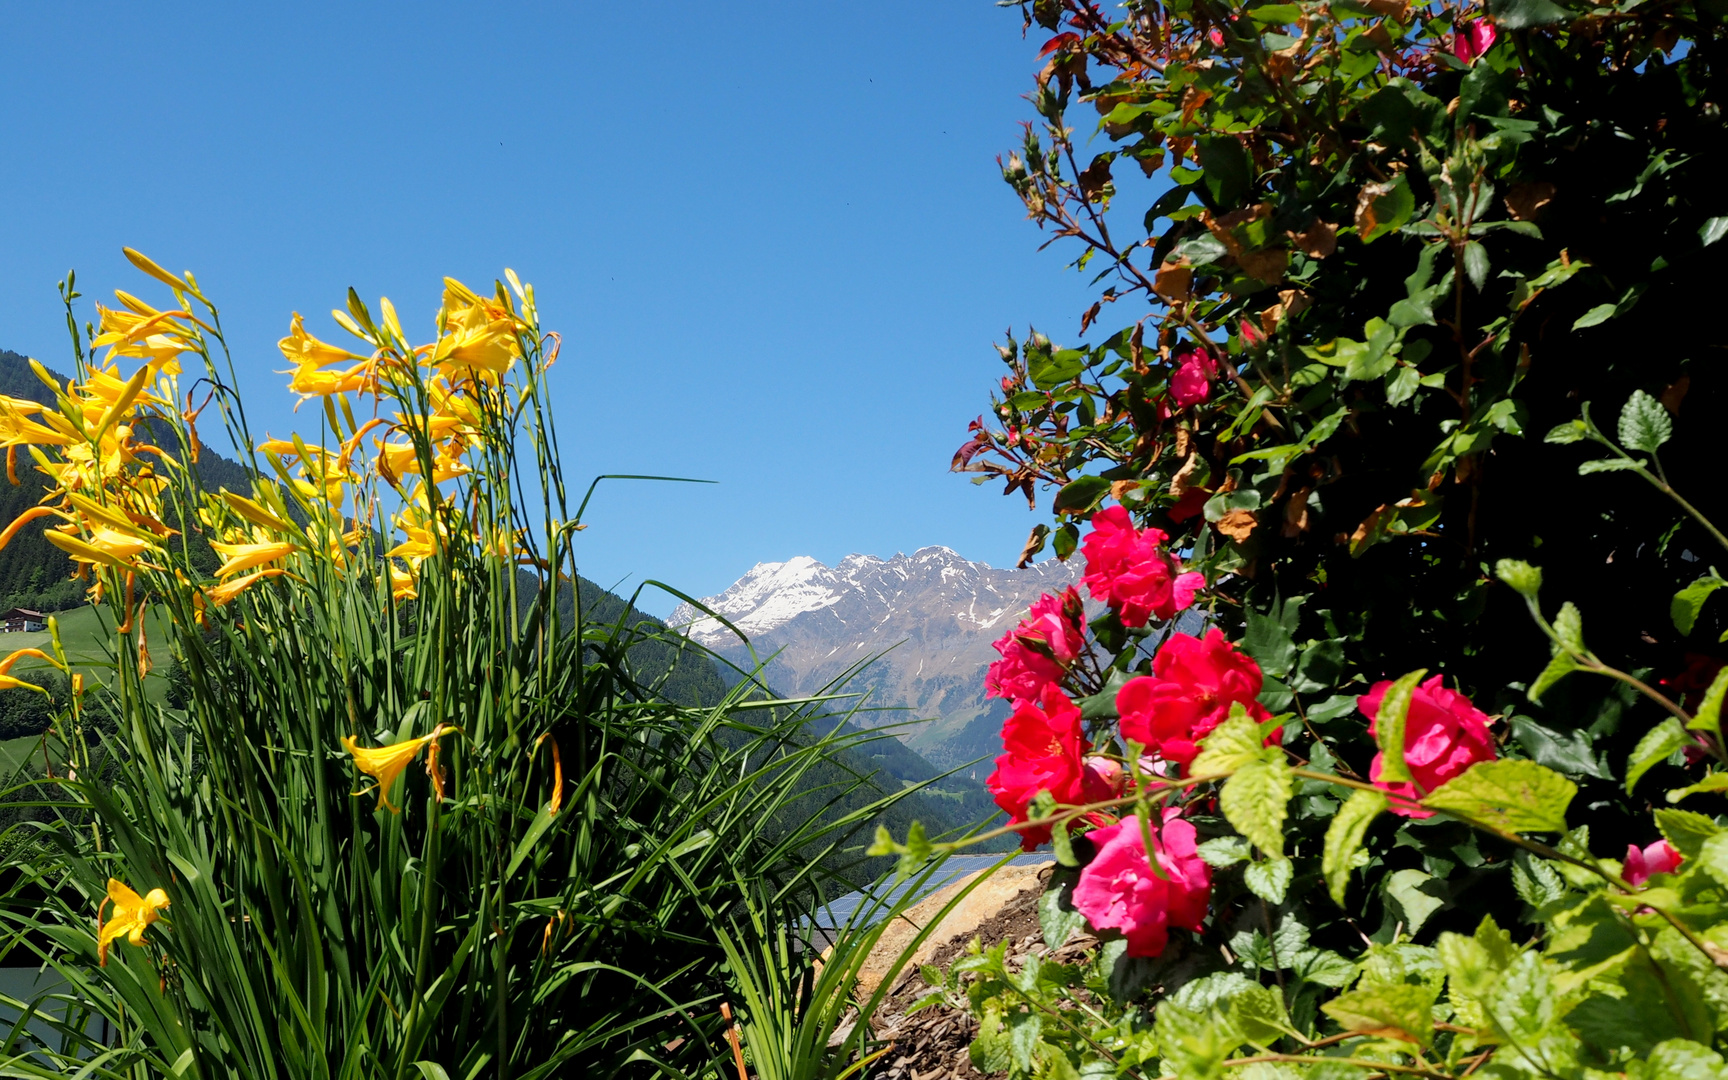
<point x="105" y="390"/>
<point x="118" y="517"/>
<point x="157" y="337"/>
<point x="105" y="547"/>
<point x="385" y="763"/>
<point x="418" y="546"/>
<point x="402" y="585"/>
<point x="305" y="351"/>
<point x="310" y="382"/>
<point x="228" y="590"/>
<point x="87" y="468"/>
<point x="9" y="681"/>
<point x="18" y="429"/>
<point x="400" y="459"/>
<point x="257" y="513"/>
<point x="422" y="537"/>
<point x="132" y="915"/>
<point x="246" y="556"/>
<point x="125" y="546"/>
<point x="477" y="334"/>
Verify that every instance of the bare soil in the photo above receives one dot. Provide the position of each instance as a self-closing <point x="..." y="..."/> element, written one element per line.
<point x="931" y="1044"/>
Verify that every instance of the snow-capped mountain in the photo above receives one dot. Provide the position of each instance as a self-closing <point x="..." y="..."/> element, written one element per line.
<point x="931" y="616"/>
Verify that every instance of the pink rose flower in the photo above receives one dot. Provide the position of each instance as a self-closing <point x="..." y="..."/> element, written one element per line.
<point x="1193" y="684"/>
<point x="1443" y="735"/>
<point x="1040" y="650"/>
<point x="1118" y="889"/>
<point x="1658" y="858"/>
<point x="1108" y="773"/>
<point x="1473" y="39"/>
<point x="1192" y="382"/>
<point x="1045" y="750"/>
<point x="1131" y="570"/>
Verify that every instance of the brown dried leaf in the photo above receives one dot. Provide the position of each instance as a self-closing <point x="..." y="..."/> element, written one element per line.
<point x="1095" y="177"/>
<point x="1090" y="315"/>
<point x="1192" y="99"/>
<point x="1391" y="8"/>
<point x="1676" y="393"/>
<point x="1183" y="480"/>
<point x="1371" y="525"/>
<point x="1366" y="219"/>
<point x="1173" y="282"/>
<point x="1265" y="265"/>
<point x="1296" y="514"/>
<point x="1220" y="228"/>
<point x="1120" y="488"/>
<point x="1238" y="217"/>
<point x="1525" y="201"/>
<point x="1317" y="241"/>
<point x="1034" y="544"/>
<point x="1238" y="525"/>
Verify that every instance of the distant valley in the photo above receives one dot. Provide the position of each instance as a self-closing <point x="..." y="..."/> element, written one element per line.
<point x="931" y="615"/>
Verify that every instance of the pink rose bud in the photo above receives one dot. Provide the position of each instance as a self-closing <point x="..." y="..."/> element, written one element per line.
<point x="1108" y="773"/>
<point x="1473" y="39"/>
<point x="1192" y="382"/>
<point x="1658" y="858"/>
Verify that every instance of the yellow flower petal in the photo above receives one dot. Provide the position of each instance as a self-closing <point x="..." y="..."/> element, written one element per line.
<point x="87" y="552"/>
<point x="246" y="556"/>
<point x="385" y="763"/>
<point x="306" y="351"/>
<point x="228" y="590"/>
<point x="256" y="512"/>
<point x="131" y="916"/>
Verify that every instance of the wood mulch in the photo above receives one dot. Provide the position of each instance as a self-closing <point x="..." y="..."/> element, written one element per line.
<point x="931" y="1044"/>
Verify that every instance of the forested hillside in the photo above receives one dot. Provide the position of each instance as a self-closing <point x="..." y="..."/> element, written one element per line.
<point x="693" y="676"/>
<point x="33" y="572"/>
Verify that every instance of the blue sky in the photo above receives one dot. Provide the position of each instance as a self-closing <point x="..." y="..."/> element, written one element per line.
<point x="773" y="235"/>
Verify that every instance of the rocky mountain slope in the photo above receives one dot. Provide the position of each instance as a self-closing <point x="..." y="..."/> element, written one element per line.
<point x="930" y="618"/>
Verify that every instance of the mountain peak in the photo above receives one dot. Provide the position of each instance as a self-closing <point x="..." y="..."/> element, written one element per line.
<point x="772" y="594"/>
<point x="929" y="618"/>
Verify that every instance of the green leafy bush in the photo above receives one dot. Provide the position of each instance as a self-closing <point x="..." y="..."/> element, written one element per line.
<point x="1363" y="818"/>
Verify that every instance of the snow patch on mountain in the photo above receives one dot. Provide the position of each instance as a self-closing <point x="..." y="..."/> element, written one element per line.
<point x="929" y="617"/>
